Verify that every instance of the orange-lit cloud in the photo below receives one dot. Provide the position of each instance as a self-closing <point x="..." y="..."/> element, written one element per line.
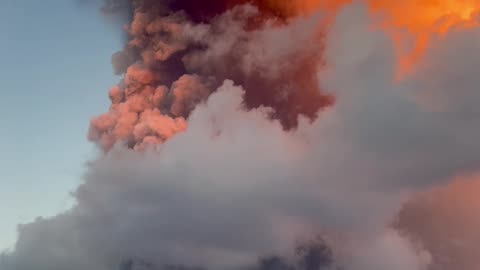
<point x="411" y="23"/>
<point x="422" y="20"/>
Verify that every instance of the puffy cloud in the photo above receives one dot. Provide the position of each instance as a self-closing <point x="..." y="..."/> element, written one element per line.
<point x="233" y="187"/>
<point x="168" y="50"/>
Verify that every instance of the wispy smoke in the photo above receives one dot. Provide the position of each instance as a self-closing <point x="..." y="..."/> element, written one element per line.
<point x="243" y="137"/>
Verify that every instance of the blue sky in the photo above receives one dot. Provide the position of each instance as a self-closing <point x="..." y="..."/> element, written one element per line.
<point x="55" y="72"/>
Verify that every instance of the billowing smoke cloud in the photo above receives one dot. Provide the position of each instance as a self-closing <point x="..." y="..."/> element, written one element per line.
<point x="275" y="72"/>
<point x="224" y="149"/>
<point x="219" y="210"/>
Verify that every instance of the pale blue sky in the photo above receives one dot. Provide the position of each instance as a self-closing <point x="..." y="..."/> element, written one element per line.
<point x="54" y="75"/>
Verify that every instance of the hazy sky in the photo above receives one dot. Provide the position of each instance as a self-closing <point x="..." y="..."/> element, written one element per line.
<point x="55" y="72"/>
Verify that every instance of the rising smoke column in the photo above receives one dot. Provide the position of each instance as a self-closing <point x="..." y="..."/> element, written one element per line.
<point x="170" y="39"/>
<point x="173" y="62"/>
<point x="252" y="160"/>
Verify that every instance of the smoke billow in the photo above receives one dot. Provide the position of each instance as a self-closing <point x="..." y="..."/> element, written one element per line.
<point x="262" y="135"/>
<point x="172" y="63"/>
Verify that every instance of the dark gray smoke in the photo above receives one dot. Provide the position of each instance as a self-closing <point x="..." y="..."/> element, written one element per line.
<point x="310" y="255"/>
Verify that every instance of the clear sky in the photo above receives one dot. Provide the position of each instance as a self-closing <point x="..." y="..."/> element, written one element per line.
<point x="55" y="72"/>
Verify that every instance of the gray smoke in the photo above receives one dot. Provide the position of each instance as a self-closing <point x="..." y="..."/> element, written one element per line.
<point x="236" y="190"/>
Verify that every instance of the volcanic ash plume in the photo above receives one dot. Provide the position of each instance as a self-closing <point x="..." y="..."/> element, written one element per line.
<point x="171" y="64"/>
<point x="277" y="135"/>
